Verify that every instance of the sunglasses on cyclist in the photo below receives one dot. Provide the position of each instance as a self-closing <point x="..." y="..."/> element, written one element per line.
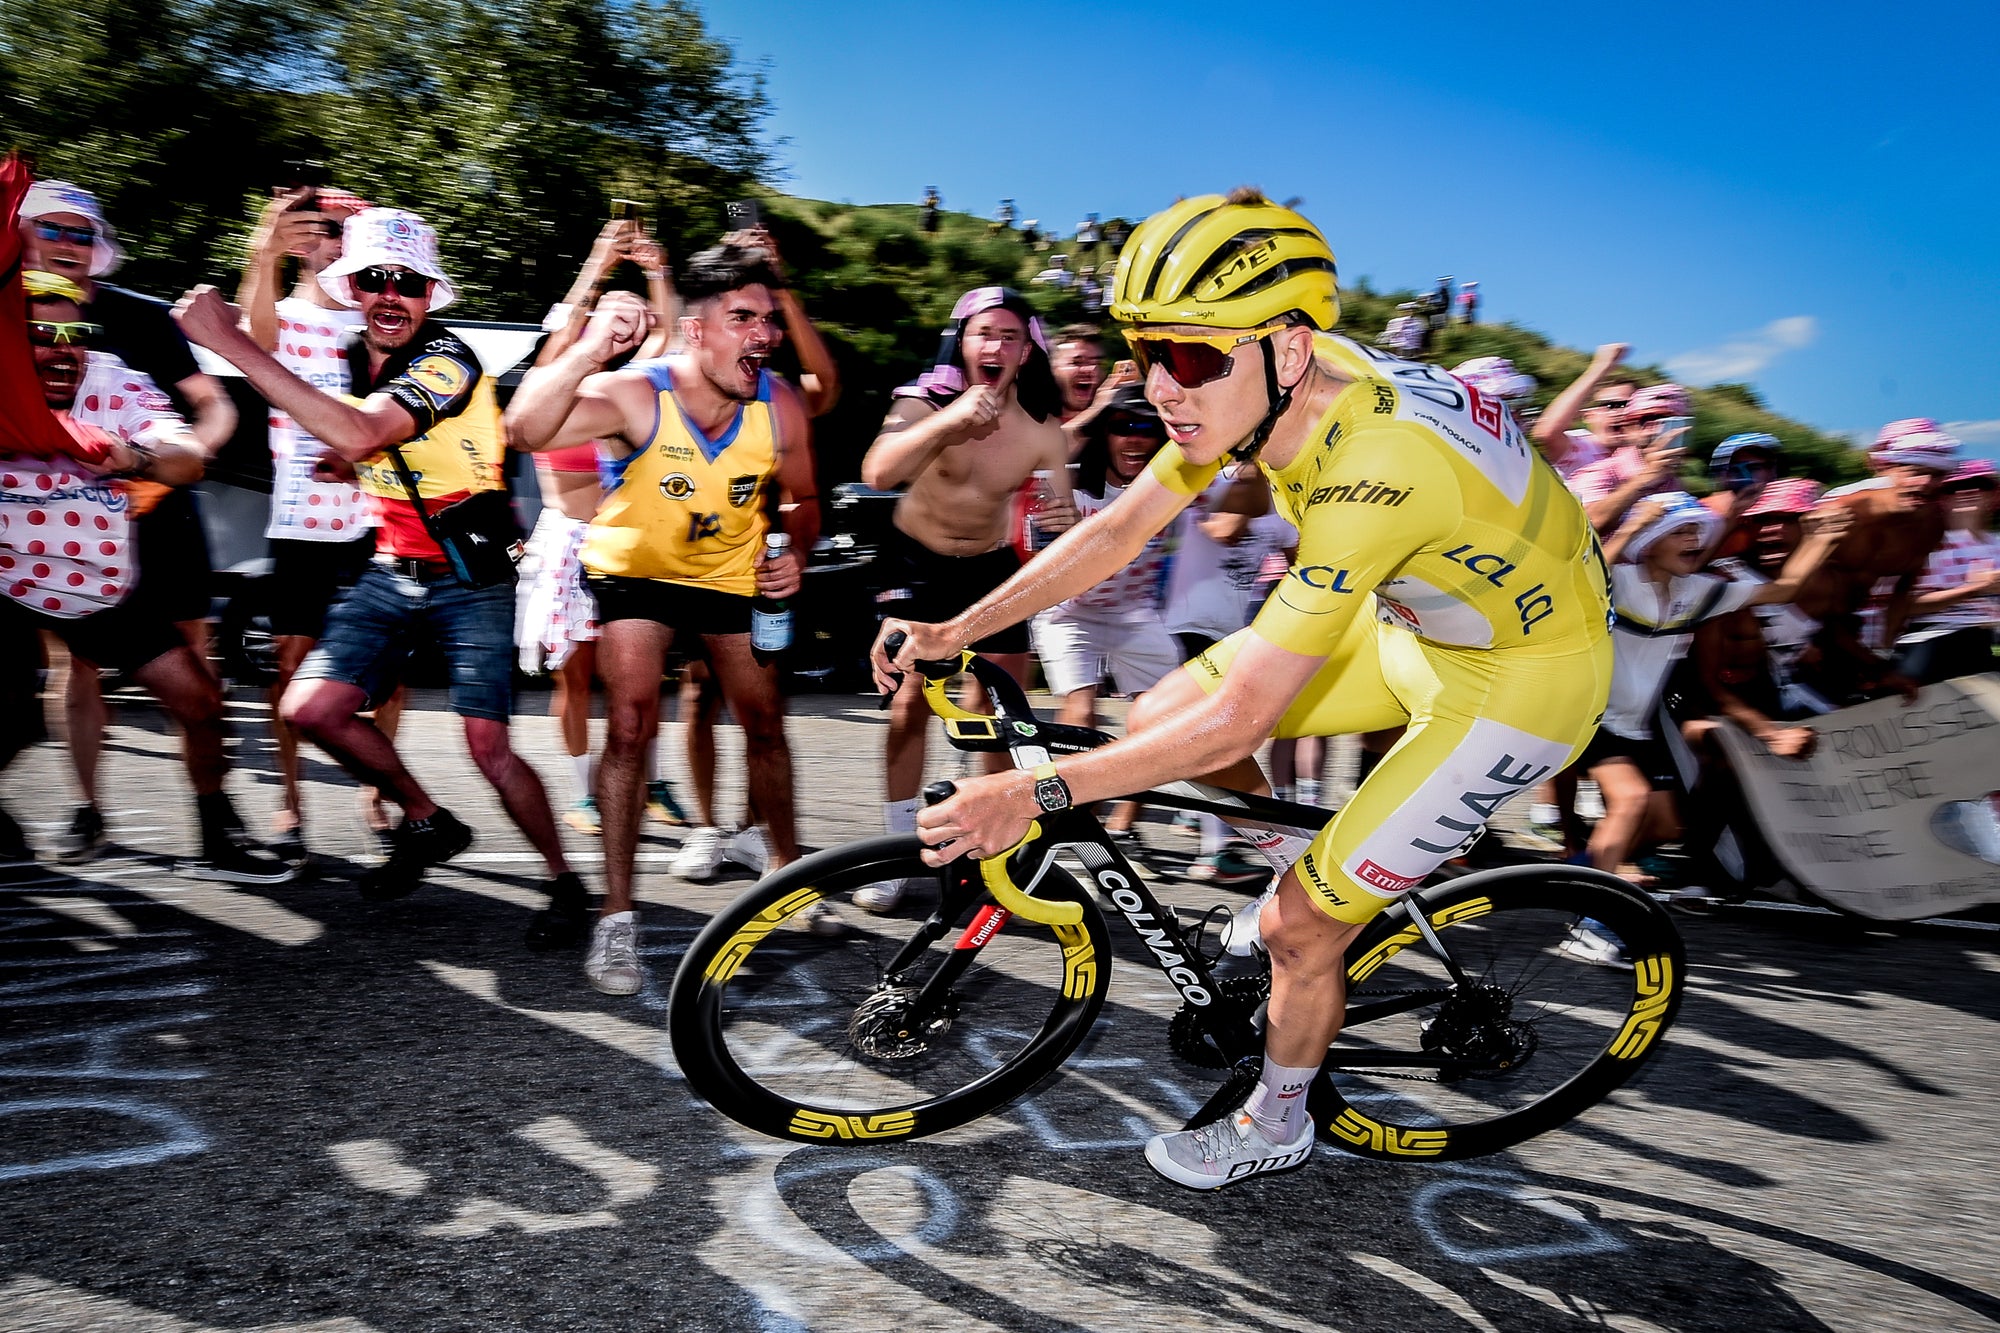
<point x="56" y="231"/>
<point x="50" y="333"/>
<point x="406" y="283"/>
<point x="1191" y="359"/>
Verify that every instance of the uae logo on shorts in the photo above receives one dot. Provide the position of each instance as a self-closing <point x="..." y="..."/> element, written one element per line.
<point x="741" y="489"/>
<point x="677" y="485"/>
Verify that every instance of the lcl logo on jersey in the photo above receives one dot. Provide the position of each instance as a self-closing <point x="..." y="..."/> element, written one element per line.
<point x="741" y="489"/>
<point x="677" y="485"/>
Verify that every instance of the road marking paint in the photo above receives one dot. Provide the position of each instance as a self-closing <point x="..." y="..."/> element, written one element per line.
<point x="247" y="912"/>
<point x="645" y="1044"/>
<point x="378" y="1165"/>
<point x="1423" y="1286"/>
<point x="35" y="1303"/>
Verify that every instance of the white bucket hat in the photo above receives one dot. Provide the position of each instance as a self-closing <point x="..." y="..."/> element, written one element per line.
<point x="386" y="236"/>
<point x="46" y="197"/>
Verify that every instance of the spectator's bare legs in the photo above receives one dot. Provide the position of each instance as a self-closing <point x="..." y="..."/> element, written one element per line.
<point x="701" y="705"/>
<point x="1634" y="814"/>
<point x="572" y="702"/>
<point x="519" y="786"/>
<point x="86" y="715"/>
<point x="196" y="634"/>
<point x="189" y="692"/>
<point x="631" y="654"/>
<point x="387" y="716"/>
<point x="328" y="713"/>
<point x="292" y="650"/>
<point x="752" y="691"/>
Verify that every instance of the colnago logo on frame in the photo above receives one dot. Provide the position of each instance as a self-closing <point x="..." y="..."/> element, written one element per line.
<point x="1156" y="936"/>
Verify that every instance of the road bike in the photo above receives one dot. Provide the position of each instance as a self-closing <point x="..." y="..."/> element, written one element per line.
<point x="1470" y="1026"/>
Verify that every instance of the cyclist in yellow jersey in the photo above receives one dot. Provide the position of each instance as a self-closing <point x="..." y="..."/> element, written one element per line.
<point x="1445" y="581"/>
<point x="697" y="449"/>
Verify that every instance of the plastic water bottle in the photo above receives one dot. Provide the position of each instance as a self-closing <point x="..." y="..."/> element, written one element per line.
<point x="771" y="617"/>
<point x="1038" y="500"/>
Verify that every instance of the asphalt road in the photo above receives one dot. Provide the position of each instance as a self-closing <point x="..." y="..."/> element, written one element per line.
<point x="289" y="1109"/>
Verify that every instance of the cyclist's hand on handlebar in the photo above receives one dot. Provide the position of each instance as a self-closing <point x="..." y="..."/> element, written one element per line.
<point x="921" y="643"/>
<point x="984" y="817"/>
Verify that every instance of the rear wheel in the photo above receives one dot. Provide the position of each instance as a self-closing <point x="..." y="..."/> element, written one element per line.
<point x="1566" y="980"/>
<point x="812" y="1038"/>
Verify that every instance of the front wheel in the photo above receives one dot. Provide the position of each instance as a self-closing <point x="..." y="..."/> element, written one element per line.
<point x="1565" y="979"/>
<point x="816" y="1039"/>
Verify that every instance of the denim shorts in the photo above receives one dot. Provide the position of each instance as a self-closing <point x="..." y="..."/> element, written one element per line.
<point x="370" y="632"/>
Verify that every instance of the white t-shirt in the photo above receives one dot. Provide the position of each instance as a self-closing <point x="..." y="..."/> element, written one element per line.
<point x="1962" y="555"/>
<point x="1209" y="585"/>
<point x="312" y="344"/>
<point x="1133" y="593"/>
<point x="1653" y="632"/>
<point x="66" y="541"/>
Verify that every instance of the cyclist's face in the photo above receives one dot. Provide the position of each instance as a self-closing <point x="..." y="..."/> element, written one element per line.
<point x="1209" y="420"/>
<point x="994" y="344"/>
<point x="733" y="337"/>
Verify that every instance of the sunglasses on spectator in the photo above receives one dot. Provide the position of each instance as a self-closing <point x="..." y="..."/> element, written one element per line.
<point x="1127" y="425"/>
<point x="56" y="231"/>
<point x="1648" y="422"/>
<point x="1191" y="359"/>
<point x="1611" y="404"/>
<point x="406" y="283"/>
<point x="50" y="333"/>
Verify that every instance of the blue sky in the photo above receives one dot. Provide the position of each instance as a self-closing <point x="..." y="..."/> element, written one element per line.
<point x="1803" y="197"/>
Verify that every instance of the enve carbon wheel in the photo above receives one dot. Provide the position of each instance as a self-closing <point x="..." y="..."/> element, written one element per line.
<point x="804" y="1036"/>
<point x="1547" y="1025"/>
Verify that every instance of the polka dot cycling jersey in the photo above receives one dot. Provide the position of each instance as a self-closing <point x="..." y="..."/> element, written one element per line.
<point x="66" y="535"/>
<point x="312" y="344"/>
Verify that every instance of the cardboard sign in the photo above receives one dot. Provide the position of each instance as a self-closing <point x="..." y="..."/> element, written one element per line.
<point x="1890" y="817"/>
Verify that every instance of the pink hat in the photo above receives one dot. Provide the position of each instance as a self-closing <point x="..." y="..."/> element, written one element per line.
<point x="1974" y="469"/>
<point x="1669" y="398"/>
<point x="1897" y="430"/>
<point x="1934" y="450"/>
<point x="1790" y="495"/>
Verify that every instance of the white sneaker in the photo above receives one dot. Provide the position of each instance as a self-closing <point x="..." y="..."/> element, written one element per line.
<point x="702" y="854"/>
<point x="821" y="919"/>
<point x="883" y="895"/>
<point x="613" y="961"/>
<point x="1587" y="945"/>
<point x="1226" y="1151"/>
<point x="748" y="848"/>
<point x="1243" y="933"/>
<point x="1589" y="801"/>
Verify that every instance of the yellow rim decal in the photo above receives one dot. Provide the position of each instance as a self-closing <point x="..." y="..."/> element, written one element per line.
<point x="1402" y="939"/>
<point x="730" y="957"/>
<point x="1655" y="979"/>
<point x="1079" y="961"/>
<point x="881" y="1125"/>
<point x="1363" y="1132"/>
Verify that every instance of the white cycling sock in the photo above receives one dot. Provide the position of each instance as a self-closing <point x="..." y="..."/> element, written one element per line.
<point x="1308" y="791"/>
<point x="1280" y="1095"/>
<point x="899" y="816"/>
<point x="1214" y="834"/>
<point x="1281" y="793"/>
<point x="579" y="765"/>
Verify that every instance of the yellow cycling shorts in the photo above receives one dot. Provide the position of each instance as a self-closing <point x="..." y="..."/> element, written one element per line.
<point x="1483" y="727"/>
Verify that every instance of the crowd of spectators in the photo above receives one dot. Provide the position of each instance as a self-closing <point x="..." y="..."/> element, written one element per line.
<point x="673" y="461"/>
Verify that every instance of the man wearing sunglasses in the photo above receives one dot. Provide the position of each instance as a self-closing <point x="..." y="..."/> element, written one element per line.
<point x="1651" y="440"/>
<point x="70" y="558"/>
<point x="416" y="393"/>
<point x="65" y="233"/>
<point x="1596" y="396"/>
<point x="1445" y="581"/>
<point x="959" y="442"/>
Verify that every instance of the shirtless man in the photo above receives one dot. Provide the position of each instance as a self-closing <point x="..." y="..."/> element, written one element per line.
<point x="959" y="442"/>
<point x="1895" y="527"/>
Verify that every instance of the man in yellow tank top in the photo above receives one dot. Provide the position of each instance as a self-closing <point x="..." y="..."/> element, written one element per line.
<point x="707" y="442"/>
<point x="1445" y="581"/>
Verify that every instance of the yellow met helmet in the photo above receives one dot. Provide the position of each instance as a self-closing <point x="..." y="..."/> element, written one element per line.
<point x="1235" y="261"/>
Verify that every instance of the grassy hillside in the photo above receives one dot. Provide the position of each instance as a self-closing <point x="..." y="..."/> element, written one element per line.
<point x="880" y="290"/>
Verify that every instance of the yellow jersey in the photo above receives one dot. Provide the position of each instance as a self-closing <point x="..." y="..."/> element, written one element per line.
<point x="684" y="508"/>
<point x="1419" y="501"/>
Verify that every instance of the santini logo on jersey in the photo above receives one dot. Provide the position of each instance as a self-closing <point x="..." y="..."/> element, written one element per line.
<point x="1363" y="492"/>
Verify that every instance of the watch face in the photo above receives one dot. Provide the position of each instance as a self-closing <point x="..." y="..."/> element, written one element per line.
<point x="1052" y="794"/>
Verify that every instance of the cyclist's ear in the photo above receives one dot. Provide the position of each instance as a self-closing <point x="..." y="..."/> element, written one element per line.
<point x="1294" y="347"/>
